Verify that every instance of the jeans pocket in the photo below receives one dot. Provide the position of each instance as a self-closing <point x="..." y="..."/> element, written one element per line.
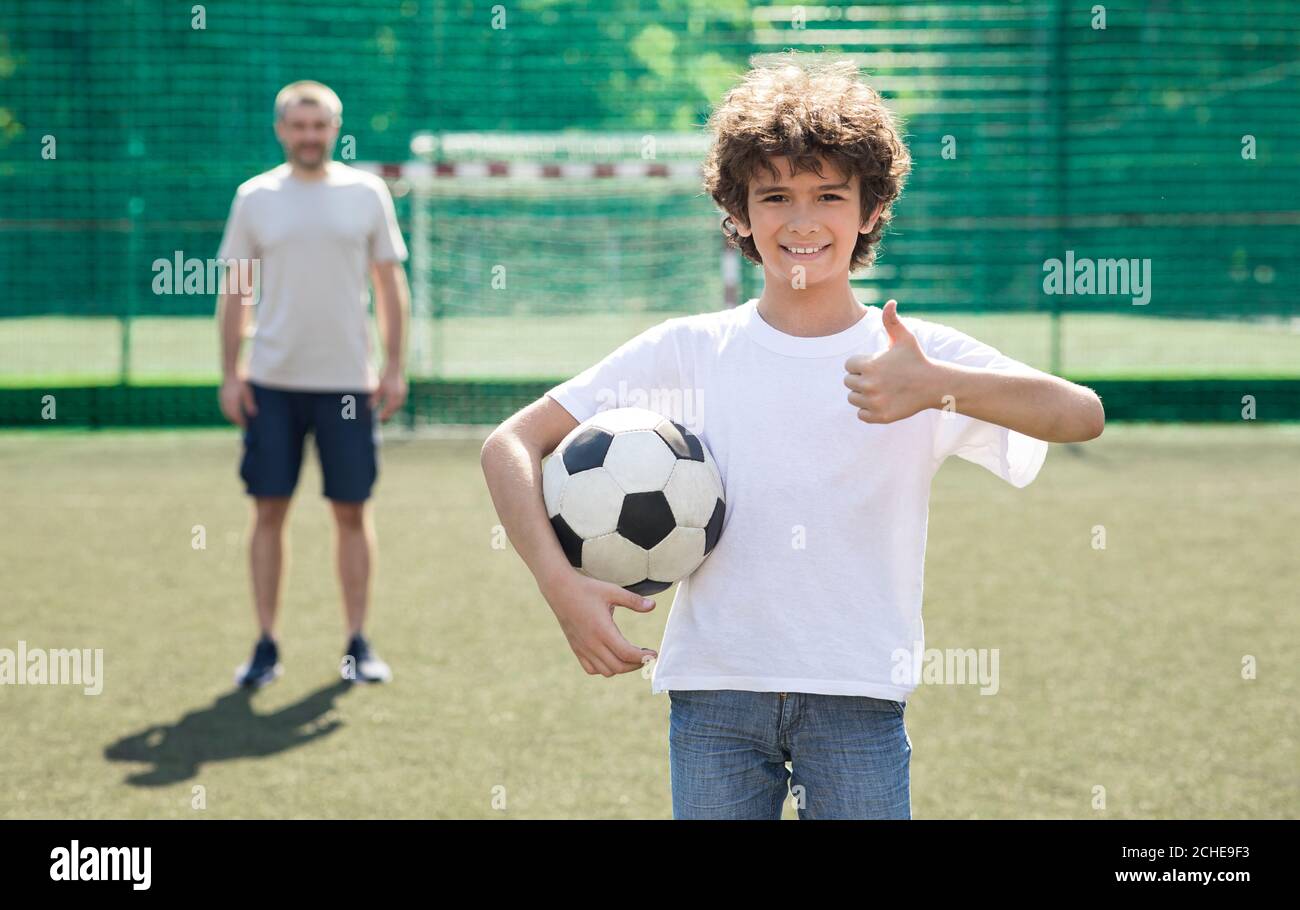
<point x="694" y="696"/>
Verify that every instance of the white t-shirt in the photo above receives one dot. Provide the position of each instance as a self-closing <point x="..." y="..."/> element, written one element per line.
<point x="316" y="241"/>
<point x="816" y="581"/>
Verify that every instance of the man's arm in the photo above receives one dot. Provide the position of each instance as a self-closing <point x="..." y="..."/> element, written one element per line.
<point x="392" y="310"/>
<point x="232" y="317"/>
<point x="511" y="460"/>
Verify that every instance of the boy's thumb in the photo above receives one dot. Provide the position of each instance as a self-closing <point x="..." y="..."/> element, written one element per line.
<point x="893" y="325"/>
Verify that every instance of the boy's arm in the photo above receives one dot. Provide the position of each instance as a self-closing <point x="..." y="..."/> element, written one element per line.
<point x="1034" y="403"/>
<point x="511" y="460"/>
<point x="902" y="381"/>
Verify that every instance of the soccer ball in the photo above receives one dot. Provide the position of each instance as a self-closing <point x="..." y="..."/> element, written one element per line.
<point x="635" y="499"/>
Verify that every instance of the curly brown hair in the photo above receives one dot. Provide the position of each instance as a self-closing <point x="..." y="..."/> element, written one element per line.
<point x="804" y="107"/>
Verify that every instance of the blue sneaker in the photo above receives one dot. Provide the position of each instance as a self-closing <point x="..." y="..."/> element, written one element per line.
<point x="263" y="667"/>
<point x="361" y="664"/>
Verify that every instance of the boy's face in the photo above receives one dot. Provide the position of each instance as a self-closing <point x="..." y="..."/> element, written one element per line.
<point x="805" y="226"/>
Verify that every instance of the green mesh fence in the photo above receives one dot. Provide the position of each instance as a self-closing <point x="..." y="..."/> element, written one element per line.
<point x="1167" y="137"/>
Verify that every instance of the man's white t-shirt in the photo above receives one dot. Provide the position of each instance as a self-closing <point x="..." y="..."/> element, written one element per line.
<point x="316" y="240"/>
<point x="815" y="584"/>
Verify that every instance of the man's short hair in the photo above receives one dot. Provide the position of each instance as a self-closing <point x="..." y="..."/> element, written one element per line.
<point x="803" y="107"/>
<point x="306" y="91"/>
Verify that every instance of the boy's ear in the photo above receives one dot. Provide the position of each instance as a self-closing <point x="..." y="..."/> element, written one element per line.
<point x="871" y="222"/>
<point x="733" y="223"/>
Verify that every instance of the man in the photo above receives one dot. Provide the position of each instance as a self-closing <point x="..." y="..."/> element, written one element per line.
<point x="315" y="227"/>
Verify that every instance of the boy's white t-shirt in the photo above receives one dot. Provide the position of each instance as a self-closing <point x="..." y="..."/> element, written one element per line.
<point x="815" y="584"/>
<point x="316" y="240"/>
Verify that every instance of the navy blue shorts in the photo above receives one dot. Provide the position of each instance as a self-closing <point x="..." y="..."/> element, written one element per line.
<point x="347" y="440"/>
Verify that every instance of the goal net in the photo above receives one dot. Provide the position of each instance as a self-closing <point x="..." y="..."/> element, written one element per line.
<point x="534" y="255"/>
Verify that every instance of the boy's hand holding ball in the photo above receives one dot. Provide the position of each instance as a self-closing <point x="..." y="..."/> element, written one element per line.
<point x="584" y="607"/>
<point x="895" y="383"/>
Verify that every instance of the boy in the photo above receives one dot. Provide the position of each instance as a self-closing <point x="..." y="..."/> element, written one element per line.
<point x="781" y="646"/>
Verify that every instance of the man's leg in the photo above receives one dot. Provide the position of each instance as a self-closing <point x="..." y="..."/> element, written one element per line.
<point x="355" y="550"/>
<point x="354" y="541"/>
<point x="273" y="441"/>
<point x="266" y="557"/>
<point x="347" y="440"/>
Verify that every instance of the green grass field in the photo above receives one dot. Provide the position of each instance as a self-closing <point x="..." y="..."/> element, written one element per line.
<point x="50" y="351"/>
<point x="1120" y="668"/>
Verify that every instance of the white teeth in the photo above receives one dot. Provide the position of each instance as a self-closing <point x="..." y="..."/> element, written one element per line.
<point x="810" y="249"/>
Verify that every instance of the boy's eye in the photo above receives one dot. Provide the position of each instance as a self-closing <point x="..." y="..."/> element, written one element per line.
<point x="780" y="197"/>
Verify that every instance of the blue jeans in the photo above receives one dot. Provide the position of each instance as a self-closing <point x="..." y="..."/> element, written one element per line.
<point x="727" y="751"/>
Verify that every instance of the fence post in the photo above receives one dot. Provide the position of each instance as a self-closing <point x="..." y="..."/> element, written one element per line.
<point x="730" y="274"/>
<point x="1059" y="111"/>
<point x="134" y="206"/>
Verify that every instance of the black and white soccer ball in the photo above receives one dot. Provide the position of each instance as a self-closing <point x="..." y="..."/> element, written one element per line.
<point x="635" y="498"/>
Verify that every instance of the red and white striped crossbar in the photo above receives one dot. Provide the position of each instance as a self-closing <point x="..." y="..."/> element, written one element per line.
<point x="532" y="170"/>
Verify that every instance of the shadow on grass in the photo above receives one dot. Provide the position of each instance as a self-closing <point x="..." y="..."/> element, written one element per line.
<point x="226" y="730"/>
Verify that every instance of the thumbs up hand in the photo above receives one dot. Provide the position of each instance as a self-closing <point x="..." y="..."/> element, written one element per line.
<point x="895" y="383"/>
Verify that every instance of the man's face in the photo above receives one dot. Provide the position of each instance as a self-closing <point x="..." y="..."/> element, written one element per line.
<point x="307" y="133"/>
<point x="805" y="225"/>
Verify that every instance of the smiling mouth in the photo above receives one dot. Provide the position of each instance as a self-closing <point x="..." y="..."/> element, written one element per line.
<point x="804" y="252"/>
